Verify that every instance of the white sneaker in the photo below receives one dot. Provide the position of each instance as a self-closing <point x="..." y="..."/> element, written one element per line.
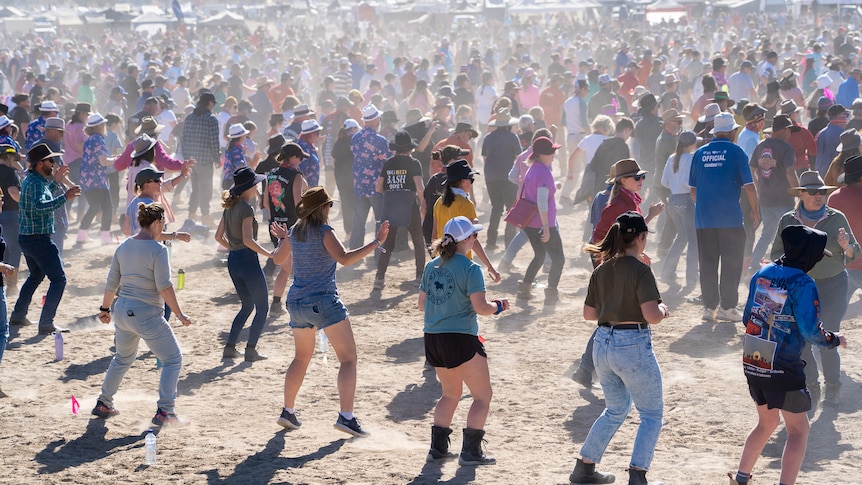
<point x="728" y="315"/>
<point x="709" y="315"/>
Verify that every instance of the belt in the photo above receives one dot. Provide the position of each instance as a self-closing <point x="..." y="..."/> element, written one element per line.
<point x="626" y="326"/>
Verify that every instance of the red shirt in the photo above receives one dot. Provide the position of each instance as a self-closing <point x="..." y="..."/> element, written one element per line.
<point x="551" y="101"/>
<point x="625" y="201"/>
<point x="628" y="82"/>
<point x="805" y="147"/>
<point x="848" y="199"/>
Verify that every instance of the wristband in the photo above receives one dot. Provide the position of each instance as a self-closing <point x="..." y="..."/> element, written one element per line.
<point x="104" y="309"/>
<point x="379" y="246"/>
<point x="499" y="307"/>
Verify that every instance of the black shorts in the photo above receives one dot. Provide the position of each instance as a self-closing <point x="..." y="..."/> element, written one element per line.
<point x="450" y="350"/>
<point x="798" y="401"/>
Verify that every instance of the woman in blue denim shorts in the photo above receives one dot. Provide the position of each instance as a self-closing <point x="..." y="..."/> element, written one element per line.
<point x="623" y="297"/>
<point x="314" y="304"/>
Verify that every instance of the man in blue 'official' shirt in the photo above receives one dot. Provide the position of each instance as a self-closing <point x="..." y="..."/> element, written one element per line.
<point x="719" y="171"/>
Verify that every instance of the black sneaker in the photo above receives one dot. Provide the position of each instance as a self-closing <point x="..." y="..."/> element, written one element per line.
<point x="20" y="323"/>
<point x="102" y="410"/>
<point x="288" y="420"/>
<point x="350" y="426"/>
<point x="52" y="330"/>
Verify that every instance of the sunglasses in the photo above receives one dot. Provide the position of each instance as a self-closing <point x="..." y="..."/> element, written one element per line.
<point x="331" y="203"/>
<point x="639" y="176"/>
<point x="816" y="191"/>
<point x="472" y="180"/>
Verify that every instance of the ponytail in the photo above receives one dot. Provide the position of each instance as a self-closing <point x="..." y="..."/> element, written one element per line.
<point x="614" y="243"/>
<point x="445" y="247"/>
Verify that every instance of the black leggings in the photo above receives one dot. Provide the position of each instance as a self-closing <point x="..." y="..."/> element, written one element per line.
<point x="99" y="200"/>
<point x="502" y="194"/>
<point x="554" y="248"/>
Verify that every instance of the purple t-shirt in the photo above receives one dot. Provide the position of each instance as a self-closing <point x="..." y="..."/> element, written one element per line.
<point x="539" y="175"/>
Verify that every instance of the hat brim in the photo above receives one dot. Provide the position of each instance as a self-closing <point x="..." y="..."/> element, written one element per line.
<point x="612" y="180"/>
<point x="512" y="122"/>
<point x="101" y="122"/>
<point x="794" y="191"/>
<point x="319" y="128"/>
<point x="137" y="154"/>
<point x="420" y="120"/>
<point x="400" y="148"/>
<point x="140" y="129"/>
<point x="730" y="102"/>
<point x="237" y="135"/>
<point x="463" y="177"/>
<point x="733" y="128"/>
<point x="159" y="174"/>
<point x="852" y="176"/>
<point x="302" y="211"/>
<point x="705" y="118"/>
<point x="238" y="189"/>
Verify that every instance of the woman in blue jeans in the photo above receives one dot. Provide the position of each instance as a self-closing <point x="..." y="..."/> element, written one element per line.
<point x="237" y="231"/>
<point x="623" y="297"/>
<point x="680" y="208"/>
<point x="314" y="304"/>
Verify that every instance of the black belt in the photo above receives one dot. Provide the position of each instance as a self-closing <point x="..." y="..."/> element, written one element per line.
<point x="626" y="326"/>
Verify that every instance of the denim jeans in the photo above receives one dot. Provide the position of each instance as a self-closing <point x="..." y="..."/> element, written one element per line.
<point x="43" y="259"/>
<point x="515" y="245"/>
<point x="628" y="371"/>
<point x="250" y="283"/>
<point x="833" y="306"/>
<point x="554" y="247"/>
<point x="9" y="222"/>
<point x="135" y="320"/>
<point x="680" y="209"/>
<point x="769" y="217"/>
<point x="4" y="322"/>
<point x="360" y="215"/>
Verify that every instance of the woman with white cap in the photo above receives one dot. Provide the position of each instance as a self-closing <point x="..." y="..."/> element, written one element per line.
<point x="234" y="157"/>
<point x="237" y="231"/>
<point x="308" y="138"/>
<point x="93" y="179"/>
<point x="452" y="296"/>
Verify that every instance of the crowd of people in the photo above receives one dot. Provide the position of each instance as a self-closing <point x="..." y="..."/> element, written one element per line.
<point x="729" y="138"/>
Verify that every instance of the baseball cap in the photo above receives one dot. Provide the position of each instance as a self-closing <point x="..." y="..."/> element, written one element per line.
<point x="460" y="228"/>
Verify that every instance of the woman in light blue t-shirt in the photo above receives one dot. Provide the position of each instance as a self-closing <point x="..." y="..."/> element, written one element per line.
<point x="452" y="295"/>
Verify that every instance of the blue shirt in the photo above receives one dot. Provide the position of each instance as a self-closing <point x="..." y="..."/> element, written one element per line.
<point x="719" y="169"/>
<point x="313" y="267"/>
<point x="827" y="144"/>
<point x="847" y="92"/>
<point x="447" y="288"/>
<point x="370" y="149"/>
<point x="748" y="140"/>
<point x="310" y="167"/>
<point x="772" y="357"/>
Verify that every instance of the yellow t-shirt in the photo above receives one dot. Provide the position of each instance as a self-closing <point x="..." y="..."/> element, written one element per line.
<point x="461" y="206"/>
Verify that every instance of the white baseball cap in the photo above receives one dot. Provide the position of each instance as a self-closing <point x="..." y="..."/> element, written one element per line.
<point x="460" y="228"/>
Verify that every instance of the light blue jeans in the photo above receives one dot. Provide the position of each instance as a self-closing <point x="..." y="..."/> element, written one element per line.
<point x="135" y="320"/>
<point x="769" y="218"/>
<point x="628" y="371"/>
<point x="680" y="208"/>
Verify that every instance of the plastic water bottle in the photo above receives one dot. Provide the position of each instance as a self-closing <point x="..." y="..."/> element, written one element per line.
<point x="151" y="448"/>
<point x="181" y="279"/>
<point x="322" y="341"/>
<point x="58" y="346"/>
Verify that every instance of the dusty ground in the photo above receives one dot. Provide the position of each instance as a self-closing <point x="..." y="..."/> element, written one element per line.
<point x="539" y="416"/>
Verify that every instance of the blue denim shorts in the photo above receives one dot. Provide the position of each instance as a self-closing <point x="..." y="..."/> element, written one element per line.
<point x="316" y="312"/>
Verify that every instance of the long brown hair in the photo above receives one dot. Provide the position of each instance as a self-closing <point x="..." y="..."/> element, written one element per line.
<point x="445" y="247"/>
<point x="313" y="220"/>
<point x="615" y="243"/>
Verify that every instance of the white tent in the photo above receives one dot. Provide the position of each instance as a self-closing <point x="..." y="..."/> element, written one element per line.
<point x="223" y="19"/>
<point x="533" y="7"/>
<point x="665" y="10"/>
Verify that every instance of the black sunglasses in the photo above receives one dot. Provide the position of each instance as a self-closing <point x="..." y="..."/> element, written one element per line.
<point x="641" y="176"/>
<point x="816" y="191"/>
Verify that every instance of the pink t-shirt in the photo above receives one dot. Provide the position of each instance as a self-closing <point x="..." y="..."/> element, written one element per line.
<point x="539" y="175"/>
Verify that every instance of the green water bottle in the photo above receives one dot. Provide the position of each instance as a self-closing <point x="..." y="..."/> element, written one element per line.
<point x="181" y="279"/>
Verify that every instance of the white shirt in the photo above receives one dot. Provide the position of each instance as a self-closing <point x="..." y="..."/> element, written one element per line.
<point x="590" y="144"/>
<point x="485" y="97"/>
<point x="677" y="182"/>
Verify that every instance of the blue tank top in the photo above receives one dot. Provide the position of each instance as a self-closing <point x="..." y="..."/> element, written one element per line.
<point x="313" y="267"/>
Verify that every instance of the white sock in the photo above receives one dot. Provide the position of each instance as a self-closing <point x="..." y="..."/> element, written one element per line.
<point x="347" y="416"/>
<point x="290" y="410"/>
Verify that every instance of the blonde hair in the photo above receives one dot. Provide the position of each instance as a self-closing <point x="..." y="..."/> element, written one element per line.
<point x="603" y="124"/>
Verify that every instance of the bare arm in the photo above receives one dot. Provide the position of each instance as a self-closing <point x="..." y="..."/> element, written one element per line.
<point x="653" y="311"/>
<point x="14" y="193"/>
<point x="219" y="234"/>
<point x="346" y="258"/>
<point x="751" y="193"/>
<point x="420" y="189"/>
<point x="590" y="313"/>
<point x="480" y="253"/>
<point x="248" y="238"/>
<point x="170" y="298"/>
<point x="484" y="307"/>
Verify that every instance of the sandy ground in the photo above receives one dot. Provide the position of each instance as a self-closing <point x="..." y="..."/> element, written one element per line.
<point x="539" y="417"/>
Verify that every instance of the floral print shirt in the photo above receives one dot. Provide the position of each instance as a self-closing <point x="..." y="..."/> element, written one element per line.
<point x="93" y="174"/>
<point x="370" y="150"/>
<point x="310" y="167"/>
<point x="35" y="132"/>
<point x="234" y="158"/>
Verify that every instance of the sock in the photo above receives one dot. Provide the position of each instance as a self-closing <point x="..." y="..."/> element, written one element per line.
<point x="290" y="410"/>
<point x="347" y="416"/>
<point x="742" y="478"/>
<point x="276" y="299"/>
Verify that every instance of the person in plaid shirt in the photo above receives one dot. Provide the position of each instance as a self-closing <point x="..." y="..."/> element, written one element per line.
<point x="36" y="220"/>
<point x="370" y="149"/>
<point x="36" y="128"/>
<point x="199" y="140"/>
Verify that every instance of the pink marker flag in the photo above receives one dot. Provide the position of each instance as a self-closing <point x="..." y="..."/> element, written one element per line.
<point x="481" y="339"/>
<point x="75" y="406"/>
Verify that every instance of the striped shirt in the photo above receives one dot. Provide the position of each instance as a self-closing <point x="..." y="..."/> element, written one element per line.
<point x="37" y="204"/>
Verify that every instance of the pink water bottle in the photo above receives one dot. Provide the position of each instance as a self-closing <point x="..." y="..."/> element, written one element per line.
<point x="58" y="346"/>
